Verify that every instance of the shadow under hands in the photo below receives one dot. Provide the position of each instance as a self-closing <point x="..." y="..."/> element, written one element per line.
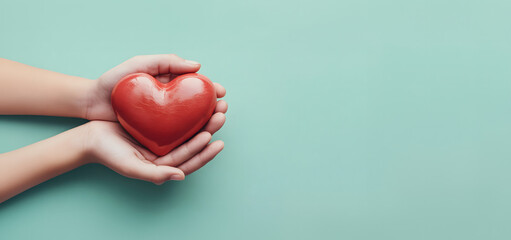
<point x="140" y="195"/>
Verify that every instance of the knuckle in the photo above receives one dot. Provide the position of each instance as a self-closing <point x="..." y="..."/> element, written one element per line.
<point x="186" y="150"/>
<point x="200" y="158"/>
<point x="175" y="57"/>
<point x="165" y="160"/>
<point x="136" y="58"/>
<point x="170" y="159"/>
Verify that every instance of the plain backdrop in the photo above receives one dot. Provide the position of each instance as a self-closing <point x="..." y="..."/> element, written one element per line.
<point x="347" y="119"/>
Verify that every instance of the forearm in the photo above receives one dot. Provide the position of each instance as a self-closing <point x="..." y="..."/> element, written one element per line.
<point x="26" y="167"/>
<point x="26" y="90"/>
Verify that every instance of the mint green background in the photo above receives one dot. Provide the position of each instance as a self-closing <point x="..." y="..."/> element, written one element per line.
<point x="347" y="119"/>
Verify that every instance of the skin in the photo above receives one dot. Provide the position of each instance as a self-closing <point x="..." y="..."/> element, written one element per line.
<point x="32" y="91"/>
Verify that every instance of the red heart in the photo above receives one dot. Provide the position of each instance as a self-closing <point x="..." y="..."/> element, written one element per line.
<point x="161" y="116"/>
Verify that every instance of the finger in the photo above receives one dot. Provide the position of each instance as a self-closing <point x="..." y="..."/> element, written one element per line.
<point x="162" y="64"/>
<point x="185" y="151"/>
<point x="144" y="153"/>
<point x="202" y="158"/>
<point x="221" y="106"/>
<point x="154" y="65"/>
<point x="220" y="90"/>
<point x="215" y="123"/>
<point x="165" y="78"/>
<point x="134" y="168"/>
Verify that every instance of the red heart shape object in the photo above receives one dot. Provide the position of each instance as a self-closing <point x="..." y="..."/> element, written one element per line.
<point x="162" y="116"/>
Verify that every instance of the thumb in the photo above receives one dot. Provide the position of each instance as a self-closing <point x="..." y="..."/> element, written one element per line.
<point x="135" y="168"/>
<point x="154" y="65"/>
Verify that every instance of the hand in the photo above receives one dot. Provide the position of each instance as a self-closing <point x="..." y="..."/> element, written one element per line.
<point x="163" y="67"/>
<point x="108" y="144"/>
<point x="123" y="154"/>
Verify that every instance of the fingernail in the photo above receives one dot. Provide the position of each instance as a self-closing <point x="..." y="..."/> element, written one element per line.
<point x="191" y="62"/>
<point x="176" y="177"/>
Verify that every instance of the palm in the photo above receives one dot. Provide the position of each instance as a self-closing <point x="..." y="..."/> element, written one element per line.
<point x="114" y="148"/>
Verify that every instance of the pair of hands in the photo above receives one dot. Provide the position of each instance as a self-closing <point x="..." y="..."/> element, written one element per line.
<point x="107" y="143"/>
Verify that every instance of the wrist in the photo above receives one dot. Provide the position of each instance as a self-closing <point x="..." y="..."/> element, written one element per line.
<point x="97" y="105"/>
<point x="90" y="135"/>
<point x="88" y="96"/>
<point x="81" y="143"/>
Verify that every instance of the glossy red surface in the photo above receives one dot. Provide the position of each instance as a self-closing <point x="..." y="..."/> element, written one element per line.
<point x="161" y="116"/>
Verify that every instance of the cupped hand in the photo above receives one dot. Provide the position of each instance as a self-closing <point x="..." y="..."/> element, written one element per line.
<point x="107" y="143"/>
<point x="164" y="67"/>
